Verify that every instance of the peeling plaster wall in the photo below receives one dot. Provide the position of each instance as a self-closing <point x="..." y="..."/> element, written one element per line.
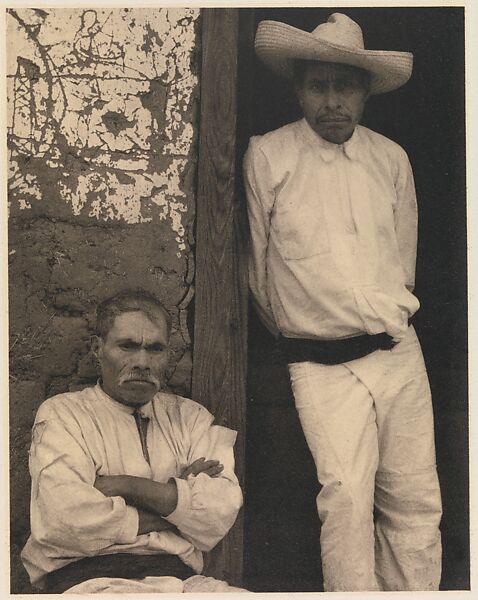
<point x="102" y="136"/>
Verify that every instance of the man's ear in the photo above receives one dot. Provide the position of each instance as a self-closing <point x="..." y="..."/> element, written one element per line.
<point x="96" y="344"/>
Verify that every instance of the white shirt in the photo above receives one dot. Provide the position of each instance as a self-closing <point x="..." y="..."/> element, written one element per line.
<point x="78" y="436"/>
<point x="333" y="231"/>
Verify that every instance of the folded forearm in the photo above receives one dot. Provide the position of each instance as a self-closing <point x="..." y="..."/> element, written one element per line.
<point x="148" y="521"/>
<point x="152" y="496"/>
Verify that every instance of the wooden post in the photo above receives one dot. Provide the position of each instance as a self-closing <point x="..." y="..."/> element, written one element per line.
<point x="220" y="327"/>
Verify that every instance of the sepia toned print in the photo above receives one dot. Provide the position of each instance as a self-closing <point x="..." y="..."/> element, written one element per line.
<point x="127" y="132"/>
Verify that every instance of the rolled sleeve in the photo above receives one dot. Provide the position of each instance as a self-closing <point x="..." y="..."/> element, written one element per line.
<point x="207" y="506"/>
<point x="129" y="532"/>
<point x="206" y="510"/>
<point x="184" y="502"/>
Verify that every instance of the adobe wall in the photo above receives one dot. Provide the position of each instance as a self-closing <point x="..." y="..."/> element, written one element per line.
<point x="102" y="141"/>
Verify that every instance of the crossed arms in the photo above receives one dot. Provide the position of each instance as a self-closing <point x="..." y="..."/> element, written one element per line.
<point x="152" y="499"/>
<point x="77" y="513"/>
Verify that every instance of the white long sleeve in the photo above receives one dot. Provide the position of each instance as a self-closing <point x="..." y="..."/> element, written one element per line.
<point x="260" y="202"/>
<point x="68" y="514"/>
<point x="208" y="506"/>
<point x="406" y="221"/>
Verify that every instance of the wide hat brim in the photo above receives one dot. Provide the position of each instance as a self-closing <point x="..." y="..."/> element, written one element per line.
<point x="278" y="45"/>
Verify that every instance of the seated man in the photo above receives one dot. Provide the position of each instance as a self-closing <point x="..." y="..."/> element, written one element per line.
<point x="129" y="484"/>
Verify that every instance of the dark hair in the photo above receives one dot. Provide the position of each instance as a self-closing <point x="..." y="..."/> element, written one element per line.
<point x="299" y="68"/>
<point x="128" y="301"/>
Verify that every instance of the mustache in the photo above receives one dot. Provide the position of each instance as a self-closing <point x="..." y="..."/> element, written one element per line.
<point x="332" y="116"/>
<point x="140" y="376"/>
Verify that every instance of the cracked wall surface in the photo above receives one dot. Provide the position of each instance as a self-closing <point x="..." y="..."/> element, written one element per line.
<point x="102" y="145"/>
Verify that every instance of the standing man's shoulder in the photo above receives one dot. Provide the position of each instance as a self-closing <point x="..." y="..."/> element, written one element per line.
<point x="274" y="143"/>
<point x="384" y="147"/>
<point x="271" y="157"/>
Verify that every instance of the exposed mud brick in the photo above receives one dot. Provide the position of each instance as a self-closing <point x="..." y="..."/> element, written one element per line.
<point x="25" y="398"/>
<point x="181" y="377"/>
<point x="87" y="368"/>
<point x="68" y="338"/>
<point x="71" y="301"/>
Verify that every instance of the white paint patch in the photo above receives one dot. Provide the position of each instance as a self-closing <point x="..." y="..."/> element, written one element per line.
<point x="77" y="102"/>
<point x="23" y="185"/>
<point x="169" y="187"/>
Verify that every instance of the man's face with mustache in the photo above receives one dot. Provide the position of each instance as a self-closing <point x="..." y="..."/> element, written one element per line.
<point x="332" y="97"/>
<point x="133" y="357"/>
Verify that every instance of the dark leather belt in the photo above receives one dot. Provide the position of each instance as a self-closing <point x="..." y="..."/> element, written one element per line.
<point x="333" y="352"/>
<point x="126" y="566"/>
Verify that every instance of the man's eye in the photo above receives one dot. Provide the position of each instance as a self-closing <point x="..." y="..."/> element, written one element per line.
<point x="156" y="348"/>
<point x="345" y="86"/>
<point x="128" y="346"/>
<point x="317" y="86"/>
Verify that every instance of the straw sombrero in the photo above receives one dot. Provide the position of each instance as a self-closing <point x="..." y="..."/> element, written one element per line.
<point x="339" y="40"/>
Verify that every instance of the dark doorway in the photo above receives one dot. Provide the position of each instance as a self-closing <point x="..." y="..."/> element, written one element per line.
<point x="426" y="117"/>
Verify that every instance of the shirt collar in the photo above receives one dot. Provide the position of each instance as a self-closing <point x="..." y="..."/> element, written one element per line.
<point x="328" y="151"/>
<point x="145" y="410"/>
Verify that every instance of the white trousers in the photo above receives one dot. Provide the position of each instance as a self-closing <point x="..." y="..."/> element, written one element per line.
<point x="159" y="585"/>
<point x="369" y="426"/>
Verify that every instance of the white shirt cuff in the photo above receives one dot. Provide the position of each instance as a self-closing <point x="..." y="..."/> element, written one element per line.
<point x="129" y="531"/>
<point x="184" y="502"/>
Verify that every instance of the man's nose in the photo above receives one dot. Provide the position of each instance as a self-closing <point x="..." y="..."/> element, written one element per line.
<point x="141" y="360"/>
<point x="333" y="98"/>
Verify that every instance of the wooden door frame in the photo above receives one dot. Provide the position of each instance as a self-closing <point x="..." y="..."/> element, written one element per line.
<point x="221" y="287"/>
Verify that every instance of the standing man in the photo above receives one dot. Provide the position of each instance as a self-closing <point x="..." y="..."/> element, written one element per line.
<point x="333" y="221"/>
<point x="130" y="485"/>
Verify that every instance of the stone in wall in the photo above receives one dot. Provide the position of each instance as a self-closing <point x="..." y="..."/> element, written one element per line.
<point x="102" y="143"/>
